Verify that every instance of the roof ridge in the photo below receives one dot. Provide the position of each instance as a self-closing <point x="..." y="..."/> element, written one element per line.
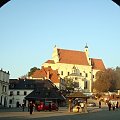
<point x="96" y="58"/>
<point x="70" y="50"/>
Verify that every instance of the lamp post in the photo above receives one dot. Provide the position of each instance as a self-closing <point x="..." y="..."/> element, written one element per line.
<point x="69" y="109"/>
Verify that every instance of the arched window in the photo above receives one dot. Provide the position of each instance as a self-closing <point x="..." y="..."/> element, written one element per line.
<point x="85" y="85"/>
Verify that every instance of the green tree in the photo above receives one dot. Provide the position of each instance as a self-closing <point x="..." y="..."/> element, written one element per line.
<point x="69" y="83"/>
<point x="32" y="70"/>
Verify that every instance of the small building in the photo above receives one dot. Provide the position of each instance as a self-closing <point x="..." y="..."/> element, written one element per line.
<point x="44" y="91"/>
<point x="4" y="85"/>
<point x="25" y="90"/>
<point x="75" y="98"/>
<point x="18" y="89"/>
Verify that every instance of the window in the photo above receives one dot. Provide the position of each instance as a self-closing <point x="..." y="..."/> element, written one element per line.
<point x="11" y="93"/>
<point x="80" y="74"/>
<point x="25" y="92"/>
<point x="61" y="72"/>
<point x="76" y="78"/>
<point x="18" y="92"/>
<point x="85" y="87"/>
<point x="93" y="76"/>
<point x="1" y="99"/>
<point x="68" y="73"/>
<point x="86" y="75"/>
<point x="5" y="88"/>
<point x="10" y="101"/>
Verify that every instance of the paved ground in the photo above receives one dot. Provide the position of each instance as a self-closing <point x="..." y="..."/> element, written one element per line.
<point x="62" y="114"/>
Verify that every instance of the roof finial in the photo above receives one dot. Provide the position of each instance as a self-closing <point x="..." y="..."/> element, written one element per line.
<point x="86" y="46"/>
<point x="55" y="46"/>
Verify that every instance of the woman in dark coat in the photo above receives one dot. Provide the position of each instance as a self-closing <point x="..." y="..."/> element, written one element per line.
<point x="109" y="105"/>
<point x="31" y="107"/>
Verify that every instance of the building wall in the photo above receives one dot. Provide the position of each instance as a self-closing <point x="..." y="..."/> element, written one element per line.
<point x="66" y="69"/>
<point x="15" y="98"/>
<point x="4" y="86"/>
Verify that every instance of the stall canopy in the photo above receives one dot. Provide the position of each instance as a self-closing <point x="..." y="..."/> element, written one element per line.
<point x="77" y="95"/>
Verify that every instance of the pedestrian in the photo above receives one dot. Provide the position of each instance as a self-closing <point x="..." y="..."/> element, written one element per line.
<point x="100" y="104"/>
<point x="50" y="106"/>
<point x="113" y="106"/>
<point x="109" y="105"/>
<point x="23" y="106"/>
<point x="82" y="106"/>
<point x="28" y="107"/>
<point x="31" y="107"/>
<point x="117" y="105"/>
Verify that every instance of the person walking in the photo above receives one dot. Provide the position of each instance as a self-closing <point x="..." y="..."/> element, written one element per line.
<point x="117" y="105"/>
<point x="50" y="106"/>
<point x="109" y="105"/>
<point x="100" y="104"/>
<point x="31" y="107"/>
<point x="113" y="106"/>
<point x="23" y="106"/>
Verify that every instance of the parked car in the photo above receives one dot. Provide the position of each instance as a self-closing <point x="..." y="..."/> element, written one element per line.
<point x="47" y="106"/>
<point x="91" y="104"/>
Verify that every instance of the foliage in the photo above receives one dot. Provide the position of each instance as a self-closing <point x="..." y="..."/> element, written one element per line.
<point x="24" y="76"/>
<point x="69" y="83"/>
<point x="117" y="70"/>
<point x="32" y="70"/>
<point x="105" y="80"/>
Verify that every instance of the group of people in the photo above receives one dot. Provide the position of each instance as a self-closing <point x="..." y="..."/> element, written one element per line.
<point x="113" y="105"/>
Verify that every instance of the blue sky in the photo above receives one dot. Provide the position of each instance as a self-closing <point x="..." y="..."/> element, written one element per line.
<point x="29" y="29"/>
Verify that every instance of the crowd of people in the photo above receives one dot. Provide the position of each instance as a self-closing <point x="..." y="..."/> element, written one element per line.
<point x="113" y="105"/>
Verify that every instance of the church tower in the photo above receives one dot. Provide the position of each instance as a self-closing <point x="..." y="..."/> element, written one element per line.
<point x="55" y="55"/>
<point x="87" y="54"/>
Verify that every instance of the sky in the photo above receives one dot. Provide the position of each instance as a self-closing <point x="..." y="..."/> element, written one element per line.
<point x="29" y="30"/>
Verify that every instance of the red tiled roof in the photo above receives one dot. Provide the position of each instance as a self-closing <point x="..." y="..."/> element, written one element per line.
<point x="97" y="64"/>
<point x="72" y="57"/>
<point x="50" y="61"/>
<point x="39" y="74"/>
<point x="42" y="73"/>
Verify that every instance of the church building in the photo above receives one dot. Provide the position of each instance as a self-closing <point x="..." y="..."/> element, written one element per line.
<point x="76" y="65"/>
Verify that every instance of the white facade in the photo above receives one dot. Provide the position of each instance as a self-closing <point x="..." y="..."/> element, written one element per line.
<point x="17" y="97"/>
<point x="4" y="86"/>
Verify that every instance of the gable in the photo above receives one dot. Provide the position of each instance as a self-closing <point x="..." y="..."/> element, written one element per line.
<point x="97" y="64"/>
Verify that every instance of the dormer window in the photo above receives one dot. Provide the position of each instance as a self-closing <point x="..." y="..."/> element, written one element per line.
<point x="74" y="70"/>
